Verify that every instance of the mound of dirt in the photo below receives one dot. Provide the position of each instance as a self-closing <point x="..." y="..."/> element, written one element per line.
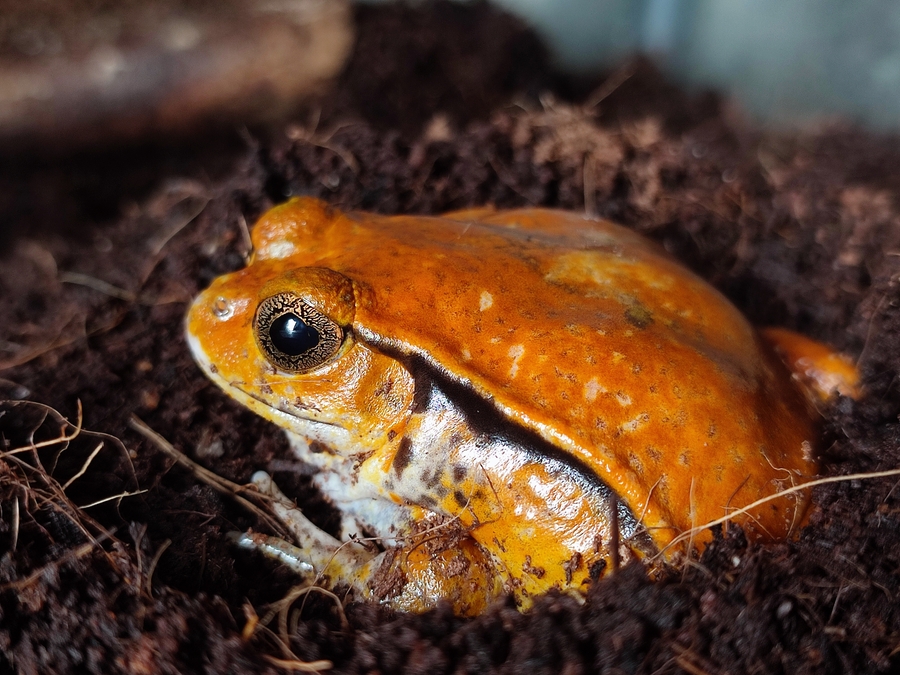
<point x="115" y="557"/>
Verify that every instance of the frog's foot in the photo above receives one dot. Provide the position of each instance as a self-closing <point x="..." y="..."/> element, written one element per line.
<point x="415" y="575"/>
<point x="819" y="369"/>
<point x="318" y="553"/>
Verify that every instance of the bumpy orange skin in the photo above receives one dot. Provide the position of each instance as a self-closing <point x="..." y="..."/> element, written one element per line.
<point x="576" y="329"/>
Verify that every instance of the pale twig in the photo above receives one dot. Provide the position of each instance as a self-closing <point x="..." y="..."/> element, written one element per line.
<point x="181" y="221"/>
<point x="778" y="495"/>
<point x="73" y="554"/>
<point x="15" y="523"/>
<point x="62" y="438"/>
<point x="619" y="77"/>
<point x="301" y="591"/>
<point x="137" y="536"/>
<point x="245" y="236"/>
<point x="311" y="137"/>
<point x="84" y="467"/>
<point x="869" y="329"/>
<point x="301" y="666"/>
<point x="212" y="479"/>
<point x="121" y="495"/>
<point x="734" y="494"/>
<point x="53" y="495"/>
<point x="251" y="623"/>
<point x="291" y="661"/>
<point x="55" y="343"/>
<point x="692" y="510"/>
<point x="79" y="279"/>
<point x="154" y="562"/>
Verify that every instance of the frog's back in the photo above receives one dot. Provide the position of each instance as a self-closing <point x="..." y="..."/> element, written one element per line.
<point x="594" y="338"/>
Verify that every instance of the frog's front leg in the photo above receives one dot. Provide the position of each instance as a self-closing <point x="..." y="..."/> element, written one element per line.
<point x="318" y="553"/>
<point x="413" y="575"/>
<point x="334" y="476"/>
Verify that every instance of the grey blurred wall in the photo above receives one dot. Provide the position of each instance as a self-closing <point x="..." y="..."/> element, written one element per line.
<point x="786" y="61"/>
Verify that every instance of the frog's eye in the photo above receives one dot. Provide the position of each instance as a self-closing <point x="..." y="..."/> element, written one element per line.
<point x="293" y="335"/>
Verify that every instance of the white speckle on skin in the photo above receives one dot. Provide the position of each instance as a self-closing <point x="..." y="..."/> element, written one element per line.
<point x="591" y="389"/>
<point x="281" y="249"/>
<point x="633" y="425"/>
<point x="516" y="352"/>
<point x="496" y="340"/>
<point x="629" y="426"/>
<point x="623" y="399"/>
<point x="486" y="301"/>
<point x="466" y="354"/>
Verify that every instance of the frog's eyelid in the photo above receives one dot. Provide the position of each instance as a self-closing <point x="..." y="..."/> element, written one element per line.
<point x="278" y="407"/>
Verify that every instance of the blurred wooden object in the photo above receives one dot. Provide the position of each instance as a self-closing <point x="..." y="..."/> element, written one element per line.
<point x="74" y="73"/>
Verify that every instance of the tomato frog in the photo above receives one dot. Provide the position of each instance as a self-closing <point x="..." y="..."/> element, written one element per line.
<point x="503" y="401"/>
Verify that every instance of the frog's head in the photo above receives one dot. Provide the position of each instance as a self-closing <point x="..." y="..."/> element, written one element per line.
<point x="278" y="337"/>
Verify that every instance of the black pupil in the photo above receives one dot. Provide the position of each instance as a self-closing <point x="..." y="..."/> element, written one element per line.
<point x="292" y="336"/>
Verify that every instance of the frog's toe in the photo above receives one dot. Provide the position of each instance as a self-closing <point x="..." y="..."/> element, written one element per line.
<point x="290" y="514"/>
<point x="266" y="485"/>
<point x="329" y="567"/>
<point x="819" y="369"/>
<point x="273" y="547"/>
<point x="315" y="549"/>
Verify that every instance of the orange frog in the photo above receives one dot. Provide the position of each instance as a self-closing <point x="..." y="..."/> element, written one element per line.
<point x="502" y="401"/>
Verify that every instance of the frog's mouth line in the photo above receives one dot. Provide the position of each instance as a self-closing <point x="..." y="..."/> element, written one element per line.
<point x="270" y="406"/>
<point x="252" y="401"/>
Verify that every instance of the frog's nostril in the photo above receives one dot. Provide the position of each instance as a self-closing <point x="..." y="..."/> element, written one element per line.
<point x="222" y="308"/>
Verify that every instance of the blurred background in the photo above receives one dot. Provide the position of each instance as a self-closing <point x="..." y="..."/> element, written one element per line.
<point x="785" y="61"/>
<point x="87" y="71"/>
<point x="100" y="100"/>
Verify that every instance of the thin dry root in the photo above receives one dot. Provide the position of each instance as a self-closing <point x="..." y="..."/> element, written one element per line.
<point x="690" y="534"/>
<point x="301" y="666"/>
<point x="215" y="481"/>
<point x="40" y="486"/>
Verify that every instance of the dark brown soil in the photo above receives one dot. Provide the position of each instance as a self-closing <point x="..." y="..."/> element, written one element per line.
<point x="438" y="109"/>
